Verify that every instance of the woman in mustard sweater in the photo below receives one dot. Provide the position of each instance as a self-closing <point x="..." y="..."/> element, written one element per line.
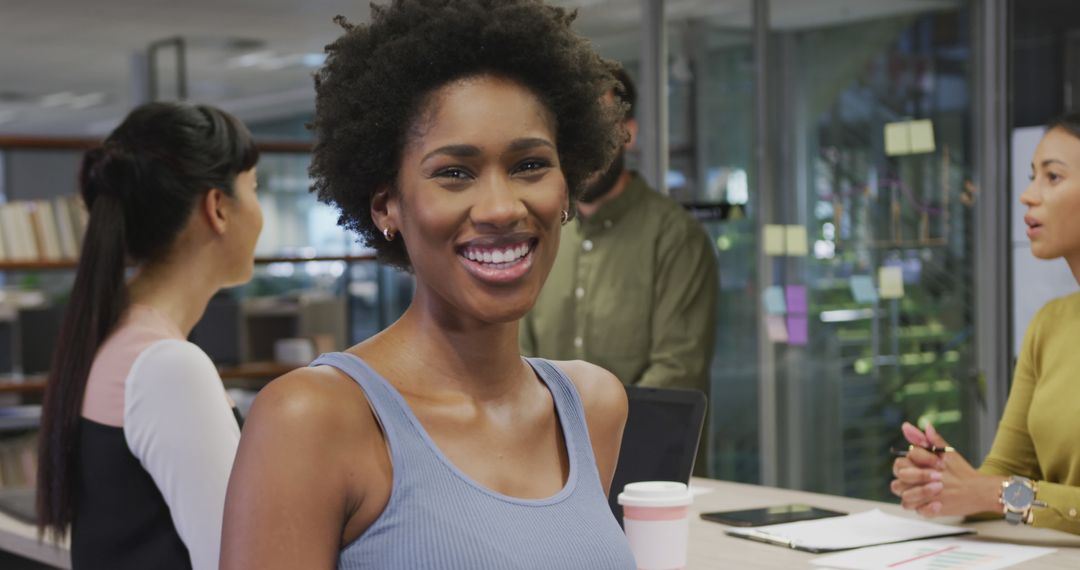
<point x="1032" y="474"/>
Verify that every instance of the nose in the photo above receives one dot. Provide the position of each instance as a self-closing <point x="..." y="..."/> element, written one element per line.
<point x="1031" y="196"/>
<point x="497" y="204"/>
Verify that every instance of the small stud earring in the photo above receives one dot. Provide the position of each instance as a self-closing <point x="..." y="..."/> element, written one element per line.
<point x="388" y="233"/>
<point x="564" y="217"/>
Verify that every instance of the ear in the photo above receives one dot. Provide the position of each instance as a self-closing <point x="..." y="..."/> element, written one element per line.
<point x="213" y="207"/>
<point x="631" y="126"/>
<point x="385" y="209"/>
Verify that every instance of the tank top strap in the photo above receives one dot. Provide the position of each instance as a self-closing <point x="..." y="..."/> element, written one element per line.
<point x="568" y="401"/>
<point x="387" y="404"/>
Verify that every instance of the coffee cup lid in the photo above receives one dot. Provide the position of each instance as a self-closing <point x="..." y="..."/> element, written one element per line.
<point x="655" y="494"/>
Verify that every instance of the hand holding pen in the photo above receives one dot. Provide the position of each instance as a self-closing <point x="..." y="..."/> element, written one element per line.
<point x="913" y="447"/>
<point x="933" y="479"/>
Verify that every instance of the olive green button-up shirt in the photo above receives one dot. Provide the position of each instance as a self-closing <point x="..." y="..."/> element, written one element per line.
<point x="633" y="290"/>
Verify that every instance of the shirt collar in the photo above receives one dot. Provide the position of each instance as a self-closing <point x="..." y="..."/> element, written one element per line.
<point x="614" y="210"/>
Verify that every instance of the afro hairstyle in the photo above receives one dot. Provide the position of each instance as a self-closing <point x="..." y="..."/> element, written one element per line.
<point x="378" y="76"/>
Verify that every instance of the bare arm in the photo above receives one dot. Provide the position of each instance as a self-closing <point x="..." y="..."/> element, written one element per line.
<point x="294" y="486"/>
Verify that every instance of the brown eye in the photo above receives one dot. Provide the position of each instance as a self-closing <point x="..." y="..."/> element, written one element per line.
<point x="532" y="165"/>
<point x="453" y="173"/>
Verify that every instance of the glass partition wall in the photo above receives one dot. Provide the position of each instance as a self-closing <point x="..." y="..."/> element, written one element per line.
<point x="872" y="125"/>
<point x="844" y="185"/>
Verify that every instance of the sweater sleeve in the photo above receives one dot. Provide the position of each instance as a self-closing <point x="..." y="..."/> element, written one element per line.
<point x="1013" y="451"/>
<point x="179" y="425"/>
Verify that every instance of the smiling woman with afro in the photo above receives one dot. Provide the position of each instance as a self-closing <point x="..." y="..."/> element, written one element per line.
<point x="377" y="76"/>
<point x="453" y="136"/>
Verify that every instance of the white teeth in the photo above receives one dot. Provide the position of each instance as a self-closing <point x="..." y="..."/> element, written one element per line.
<point x="497" y="256"/>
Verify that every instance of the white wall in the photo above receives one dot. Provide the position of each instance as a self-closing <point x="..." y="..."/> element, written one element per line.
<point x="1035" y="281"/>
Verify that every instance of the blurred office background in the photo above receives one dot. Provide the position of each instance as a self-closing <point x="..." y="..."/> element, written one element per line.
<point x="861" y="151"/>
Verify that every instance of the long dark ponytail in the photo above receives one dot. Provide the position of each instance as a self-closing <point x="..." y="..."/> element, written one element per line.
<point x="140" y="188"/>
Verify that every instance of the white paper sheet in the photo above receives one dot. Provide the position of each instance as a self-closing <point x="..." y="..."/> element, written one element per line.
<point x="852" y="531"/>
<point x="940" y="554"/>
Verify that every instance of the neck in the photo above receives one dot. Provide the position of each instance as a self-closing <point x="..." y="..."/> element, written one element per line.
<point x="1074" y="265"/>
<point x="441" y="351"/>
<point x="169" y="287"/>
<point x="588" y="209"/>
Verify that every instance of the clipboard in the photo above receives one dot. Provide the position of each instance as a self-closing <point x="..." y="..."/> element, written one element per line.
<point x="869" y="528"/>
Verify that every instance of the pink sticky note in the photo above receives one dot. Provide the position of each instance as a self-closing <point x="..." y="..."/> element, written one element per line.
<point x="796" y="329"/>
<point x="796" y="299"/>
<point x="777" y="329"/>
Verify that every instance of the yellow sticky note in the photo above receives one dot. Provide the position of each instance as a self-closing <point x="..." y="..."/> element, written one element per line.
<point x="890" y="282"/>
<point x="795" y="244"/>
<point x="921" y="134"/>
<point x="897" y="138"/>
<point x="774" y="240"/>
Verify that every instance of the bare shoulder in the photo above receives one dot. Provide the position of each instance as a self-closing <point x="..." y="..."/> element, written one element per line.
<point x="601" y="391"/>
<point x="317" y="402"/>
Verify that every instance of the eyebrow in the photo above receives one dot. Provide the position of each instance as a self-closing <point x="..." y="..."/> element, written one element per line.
<point x="1048" y="162"/>
<point x="455" y="150"/>
<point x="470" y="151"/>
<point x="529" y="143"/>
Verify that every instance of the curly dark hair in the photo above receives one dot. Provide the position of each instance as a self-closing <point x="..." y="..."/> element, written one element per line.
<point x="378" y="76"/>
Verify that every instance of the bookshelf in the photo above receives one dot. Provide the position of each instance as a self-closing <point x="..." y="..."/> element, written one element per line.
<point x="71" y="264"/>
<point x="251" y="371"/>
<point x="369" y="293"/>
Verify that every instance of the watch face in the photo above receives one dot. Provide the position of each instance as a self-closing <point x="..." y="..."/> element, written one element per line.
<point x="1018" y="495"/>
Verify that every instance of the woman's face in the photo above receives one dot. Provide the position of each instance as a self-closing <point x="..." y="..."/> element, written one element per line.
<point x="1053" y="197"/>
<point x="479" y="199"/>
<point x="245" y="225"/>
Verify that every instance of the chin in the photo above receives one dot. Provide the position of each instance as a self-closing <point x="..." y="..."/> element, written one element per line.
<point x="1042" y="252"/>
<point x="241" y="279"/>
<point x="506" y="313"/>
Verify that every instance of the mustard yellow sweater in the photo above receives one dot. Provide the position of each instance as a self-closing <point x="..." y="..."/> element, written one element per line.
<point x="1039" y="434"/>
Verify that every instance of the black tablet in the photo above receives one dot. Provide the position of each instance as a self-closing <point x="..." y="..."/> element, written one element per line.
<point x="770" y="515"/>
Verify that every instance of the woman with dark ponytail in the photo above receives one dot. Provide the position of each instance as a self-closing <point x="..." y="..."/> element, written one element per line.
<point x="138" y="435"/>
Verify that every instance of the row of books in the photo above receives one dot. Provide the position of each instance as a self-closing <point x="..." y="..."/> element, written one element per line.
<point x="42" y="230"/>
<point x="18" y="460"/>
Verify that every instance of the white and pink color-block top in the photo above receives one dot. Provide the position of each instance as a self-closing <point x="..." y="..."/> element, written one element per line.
<point x="158" y="439"/>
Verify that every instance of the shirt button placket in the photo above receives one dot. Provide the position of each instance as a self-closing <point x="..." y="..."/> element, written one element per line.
<point x="582" y="311"/>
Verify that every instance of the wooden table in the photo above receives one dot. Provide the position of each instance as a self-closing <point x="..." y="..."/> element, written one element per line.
<point x="710" y="548"/>
<point x="20" y="538"/>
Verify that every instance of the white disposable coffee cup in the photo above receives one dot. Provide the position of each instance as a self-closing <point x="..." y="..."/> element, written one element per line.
<point x="656" y="517"/>
<point x="294" y="350"/>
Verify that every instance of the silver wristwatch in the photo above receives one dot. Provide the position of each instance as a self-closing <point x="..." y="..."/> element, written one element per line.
<point x="1017" y="498"/>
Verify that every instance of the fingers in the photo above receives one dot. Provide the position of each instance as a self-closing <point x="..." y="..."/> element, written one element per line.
<point x="935" y="438"/>
<point x="916" y="476"/>
<point x="929" y="509"/>
<point x="900" y="463"/>
<point x="925" y="459"/>
<point x="914" y="435"/>
<point x="919" y="496"/>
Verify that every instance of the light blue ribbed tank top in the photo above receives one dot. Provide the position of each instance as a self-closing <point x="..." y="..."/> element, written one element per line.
<point x="439" y="518"/>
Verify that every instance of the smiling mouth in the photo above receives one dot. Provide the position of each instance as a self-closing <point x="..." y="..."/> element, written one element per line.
<point x="498" y="256"/>
<point x="499" y="263"/>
